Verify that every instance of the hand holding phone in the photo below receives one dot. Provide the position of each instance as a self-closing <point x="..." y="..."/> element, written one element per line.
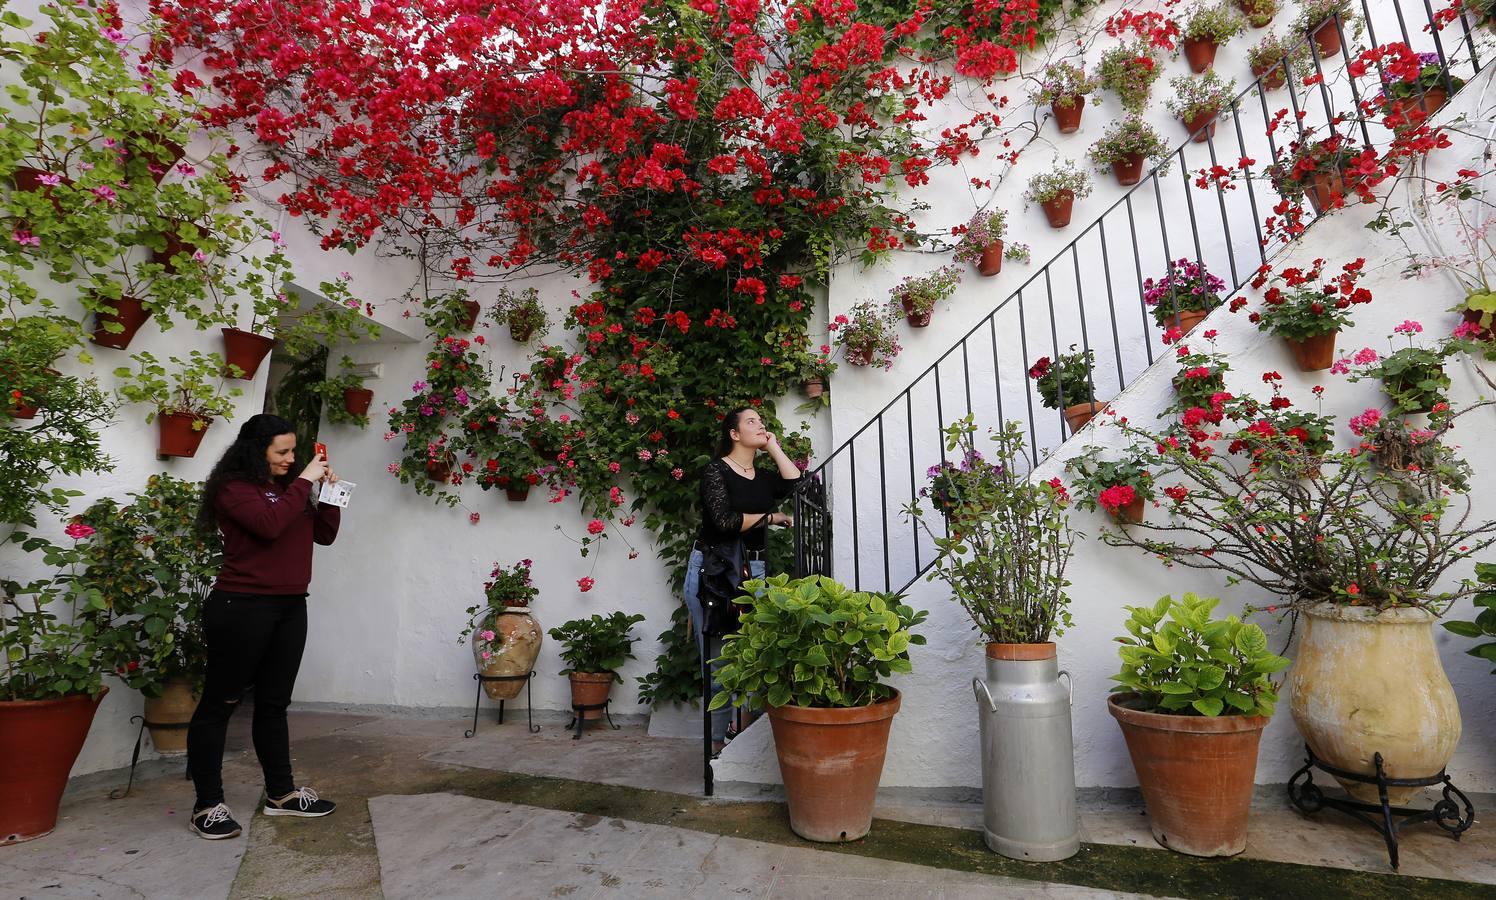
<point x="320" y="449"/>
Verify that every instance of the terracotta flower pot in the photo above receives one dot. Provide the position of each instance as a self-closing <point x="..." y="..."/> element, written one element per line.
<point x="1057" y="211"/>
<point x="1473" y="316"/>
<point x="1324" y="190"/>
<point x="356" y="401"/>
<point x="813" y="388"/>
<point x="1365" y="683"/>
<point x="1128" y="169"/>
<point x="521" y="334"/>
<point x="1273" y="75"/>
<point x="1196" y="774"/>
<point x="246" y="350"/>
<point x="1200" y="53"/>
<point x="513" y="651"/>
<point x="590" y="689"/>
<point x="1186" y="320"/>
<point x="129" y="314"/>
<point x="1067" y="119"/>
<point x="438" y="471"/>
<point x="175" y="706"/>
<point x="992" y="259"/>
<point x="39" y="741"/>
<point x="860" y="356"/>
<point x="831" y="761"/>
<point x="171" y="152"/>
<point x="1078" y="414"/>
<point x="180" y="433"/>
<point x="518" y="493"/>
<point x="26" y="178"/>
<point x="1202" y="126"/>
<point x="1313" y="353"/>
<point x="916" y="319"/>
<point x="470" y="310"/>
<point x="1247" y="8"/>
<point x="1132" y="512"/>
<point x="174" y="245"/>
<point x="19" y="410"/>
<point x="1415" y="109"/>
<point x="1327" y="38"/>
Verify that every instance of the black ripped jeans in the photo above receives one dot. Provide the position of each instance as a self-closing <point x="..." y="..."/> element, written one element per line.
<point x="252" y="640"/>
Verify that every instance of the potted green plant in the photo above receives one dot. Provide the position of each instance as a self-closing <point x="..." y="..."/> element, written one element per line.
<point x="553" y="371"/>
<point x="505" y="634"/>
<point x="816" y="653"/>
<point x="1066" y="384"/>
<point x="509" y="464"/>
<point x="1065" y="87"/>
<point x="594" y="649"/>
<point x="29" y="345"/>
<point x="1057" y="190"/>
<point x="1119" y="486"/>
<point x="866" y="334"/>
<point x="184" y="402"/>
<point x="1308" y="315"/>
<point x="1275" y="57"/>
<point x="1412" y="377"/>
<point x="982" y="241"/>
<point x="1126" y="145"/>
<point x="345" y="399"/>
<point x="1004" y="561"/>
<point x="1129" y="70"/>
<point x="1192" y="699"/>
<point x="1197" y="102"/>
<point x="1206" y="28"/>
<point x="1259" y="13"/>
<point x="1200" y="379"/>
<point x="523" y="312"/>
<point x="1324" y="20"/>
<point x="1184" y="296"/>
<point x="1319" y="169"/>
<point x="1484" y="624"/>
<point x="918" y="294"/>
<point x="816" y="369"/>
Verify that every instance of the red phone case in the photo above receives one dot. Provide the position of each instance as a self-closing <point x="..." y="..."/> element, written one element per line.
<point x="320" y="449"/>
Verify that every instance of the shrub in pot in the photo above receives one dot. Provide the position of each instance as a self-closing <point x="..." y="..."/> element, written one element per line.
<point x="29" y="345"/>
<point x="185" y="401"/>
<point x="1192" y="700"/>
<point x="815" y="371"/>
<point x="981" y="241"/>
<point x="1057" y="190"/>
<point x="866" y="333"/>
<point x="1064" y="87"/>
<point x="505" y="634"/>
<point x="918" y="294"/>
<point x="345" y="400"/>
<point x="523" y="313"/>
<point x="1308" y="314"/>
<point x="1129" y="70"/>
<point x="1206" y="28"/>
<point x="1275" y="58"/>
<point x="1184" y="296"/>
<point x="1198" y="102"/>
<point x="1325" y="20"/>
<point x="594" y="649"/>
<point x="1065" y="383"/>
<point x="1126" y="146"/>
<point x="1004" y="560"/>
<point x="816" y="653"/>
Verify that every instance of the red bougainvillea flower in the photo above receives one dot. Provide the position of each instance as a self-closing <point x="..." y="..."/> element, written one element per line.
<point x="1116" y="497"/>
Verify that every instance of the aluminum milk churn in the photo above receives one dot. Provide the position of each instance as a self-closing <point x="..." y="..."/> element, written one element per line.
<point x="1028" y="761"/>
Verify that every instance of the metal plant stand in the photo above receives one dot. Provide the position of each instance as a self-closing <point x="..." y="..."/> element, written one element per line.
<point x="120" y="794"/>
<point x="529" y="716"/>
<point x="577" y="711"/>
<point x="1387" y="819"/>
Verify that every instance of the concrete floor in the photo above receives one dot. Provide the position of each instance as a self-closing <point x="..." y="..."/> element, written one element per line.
<point x="425" y="813"/>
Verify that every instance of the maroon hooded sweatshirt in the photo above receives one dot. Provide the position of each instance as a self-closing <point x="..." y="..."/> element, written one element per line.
<point x="268" y="532"/>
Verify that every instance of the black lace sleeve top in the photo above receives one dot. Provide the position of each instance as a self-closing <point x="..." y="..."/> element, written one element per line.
<point x="727" y="495"/>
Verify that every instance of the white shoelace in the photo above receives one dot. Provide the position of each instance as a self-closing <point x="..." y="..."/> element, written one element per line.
<point x="219" y="813"/>
<point x="308" y="797"/>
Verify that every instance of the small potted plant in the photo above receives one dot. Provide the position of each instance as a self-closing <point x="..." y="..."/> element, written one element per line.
<point x="1274" y="58"/>
<point x="816" y="654"/>
<point x="1066" y="384"/>
<point x="505" y="635"/>
<point x="345" y="399"/>
<point x="185" y="401"/>
<point x="28" y="347"/>
<point x="1057" y="190"/>
<point x="1412" y="377"/>
<point x="1129" y="70"/>
<point x="594" y="649"/>
<point x="815" y="373"/>
<point x="918" y="294"/>
<point x="1423" y="87"/>
<point x="1065" y="87"/>
<point x="1192" y="699"/>
<point x="1184" y="297"/>
<point x="1324" y="19"/>
<point x="1259" y="13"/>
<point x="982" y="241"/>
<point x="1206" y="28"/>
<point x="1319" y="169"/>
<point x="523" y="312"/>
<point x="504" y="462"/>
<point x="1484" y="625"/>
<point x="1199" y="101"/>
<point x="1120" y="487"/>
<point x="1201" y="379"/>
<point x="553" y="370"/>
<point x="1126" y="145"/>
<point x="866" y="333"/>
<point x="1308" y="315"/>
<point x="1016" y="252"/>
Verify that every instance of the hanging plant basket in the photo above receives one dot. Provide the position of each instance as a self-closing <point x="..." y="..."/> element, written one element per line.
<point x="813" y="388"/>
<point x="916" y="319"/>
<point x="1132" y="512"/>
<point x="1057" y="210"/>
<point x="356" y="401"/>
<point x="180" y="433"/>
<point x="438" y="471"/>
<point x="1273" y="75"/>
<point x="1323" y="190"/>
<point x="130" y="314"/>
<point x="171" y="153"/>
<point x="246" y="350"/>
<point x="174" y="245"/>
<point x="521" y="333"/>
<point x="860" y="356"/>
<point x="1200" y="53"/>
<point x="517" y="492"/>
<point x="28" y="179"/>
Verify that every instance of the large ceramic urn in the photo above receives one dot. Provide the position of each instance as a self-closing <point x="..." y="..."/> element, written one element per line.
<point x="1367" y="682"/>
<point x="511" y="652"/>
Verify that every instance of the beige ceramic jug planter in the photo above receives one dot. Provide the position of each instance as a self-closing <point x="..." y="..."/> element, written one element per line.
<point x="1368" y="682"/>
<point x="510" y="654"/>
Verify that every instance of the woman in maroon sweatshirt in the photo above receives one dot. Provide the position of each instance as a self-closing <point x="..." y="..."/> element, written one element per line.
<point x="264" y="503"/>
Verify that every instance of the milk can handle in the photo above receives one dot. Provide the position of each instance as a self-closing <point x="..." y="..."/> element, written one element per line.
<point x="1069" y="687"/>
<point x="979" y="687"/>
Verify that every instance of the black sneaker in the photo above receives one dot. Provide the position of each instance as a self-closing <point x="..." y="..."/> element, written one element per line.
<point x="302" y="802"/>
<point x="215" y="823"/>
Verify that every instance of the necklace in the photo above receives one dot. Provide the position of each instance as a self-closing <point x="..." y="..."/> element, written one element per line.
<point x="746" y="470"/>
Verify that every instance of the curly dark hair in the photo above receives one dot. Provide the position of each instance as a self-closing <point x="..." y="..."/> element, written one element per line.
<point x="245" y="461"/>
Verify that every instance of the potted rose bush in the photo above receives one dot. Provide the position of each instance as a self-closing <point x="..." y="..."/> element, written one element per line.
<point x="505" y="634"/>
<point x="1066" y="384"/>
<point x="866" y="333"/>
<point x="1064" y="87"/>
<point x="982" y="241"/>
<point x="1057" y="190"/>
<point x="1126" y="145"/>
<point x="918" y="294"/>
<point x="1206" y="28"/>
<point x="1198" y="102"/>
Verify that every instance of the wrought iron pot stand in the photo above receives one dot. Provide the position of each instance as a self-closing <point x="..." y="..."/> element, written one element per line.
<point x="578" y="711"/>
<point x="1387" y="819"/>
<point x="529" y="716"/>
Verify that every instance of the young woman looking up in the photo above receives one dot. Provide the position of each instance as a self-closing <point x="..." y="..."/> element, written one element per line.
<point x="737" y="500"/>
<point x="265" y="504"/>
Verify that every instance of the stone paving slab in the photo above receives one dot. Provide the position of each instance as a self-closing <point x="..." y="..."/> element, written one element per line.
<point x="453" y="846"/>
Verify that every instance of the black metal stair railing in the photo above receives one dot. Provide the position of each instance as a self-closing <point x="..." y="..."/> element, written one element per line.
<point x="1090" y="295"/>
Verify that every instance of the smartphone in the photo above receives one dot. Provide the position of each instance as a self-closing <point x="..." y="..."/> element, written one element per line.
<point x="320" y="449"/>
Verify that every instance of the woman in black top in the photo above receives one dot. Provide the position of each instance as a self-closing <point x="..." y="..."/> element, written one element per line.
<point x="737" y="500"/>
